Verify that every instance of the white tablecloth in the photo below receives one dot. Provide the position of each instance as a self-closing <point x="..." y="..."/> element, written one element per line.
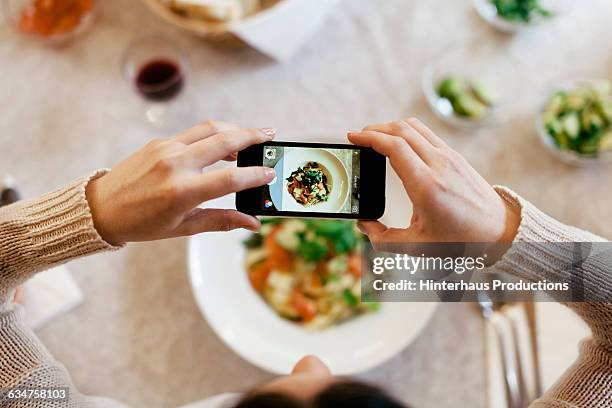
<point x="139" y="337"/>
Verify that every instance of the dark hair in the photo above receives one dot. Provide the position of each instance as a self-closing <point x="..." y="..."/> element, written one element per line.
<point x="347" y="394"/>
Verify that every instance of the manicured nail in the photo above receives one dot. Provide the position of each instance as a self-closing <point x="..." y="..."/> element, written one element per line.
<point x="268" y="131"/>
<point x="253" y="228"/>
<point x="269" y="172"/>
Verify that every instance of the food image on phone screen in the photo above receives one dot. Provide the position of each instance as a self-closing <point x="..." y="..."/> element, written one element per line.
<point x="323" y="180"/>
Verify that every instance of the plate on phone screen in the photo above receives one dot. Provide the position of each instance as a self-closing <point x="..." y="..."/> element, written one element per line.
<point x="335" y="171"/>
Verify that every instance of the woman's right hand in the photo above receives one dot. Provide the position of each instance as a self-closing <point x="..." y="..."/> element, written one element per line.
<point x="154" y="194"/>
<point x="452" y="202"/>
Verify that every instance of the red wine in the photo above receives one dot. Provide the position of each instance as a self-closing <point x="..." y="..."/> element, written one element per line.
<point x="160" y="79"/>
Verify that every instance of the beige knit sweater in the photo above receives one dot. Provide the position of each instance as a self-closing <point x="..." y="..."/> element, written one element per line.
<point x="58" y="227"/>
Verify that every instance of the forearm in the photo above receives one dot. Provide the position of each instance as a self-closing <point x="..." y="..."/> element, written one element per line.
<point x="38" y="234"/>
<point x="544" y="249"/>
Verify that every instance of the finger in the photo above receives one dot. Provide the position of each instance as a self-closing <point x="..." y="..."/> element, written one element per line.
<point x="227" y="181"/>
<point x="232" y="157"/>
<point x="371" y="228"/>
<point x="386" y="239"/>
<point x="212" y="219"/>
<point x="204" y="130"/>
<point x="426" y="132"/>
<point x="419" y="144"/>
<point x="406" y="163"/>
<point x="216" y="147"/>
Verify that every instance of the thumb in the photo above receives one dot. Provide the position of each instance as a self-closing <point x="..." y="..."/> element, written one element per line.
<point x="373" y="229"/>
<point x="212" y="219"/>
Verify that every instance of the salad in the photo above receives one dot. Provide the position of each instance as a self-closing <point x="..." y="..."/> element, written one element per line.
<point x="580" y="119"/>
<point x="309" y="185"/>
<point x="467" y="99"/>
<point x="308" y="271"/>
<point x="521" y="11"/>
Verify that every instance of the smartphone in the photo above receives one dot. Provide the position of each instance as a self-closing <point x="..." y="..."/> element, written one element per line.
<point x="316" y="180"/>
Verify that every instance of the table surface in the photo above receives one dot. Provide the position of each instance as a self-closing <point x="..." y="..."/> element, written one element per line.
<point x="139" y="336"/>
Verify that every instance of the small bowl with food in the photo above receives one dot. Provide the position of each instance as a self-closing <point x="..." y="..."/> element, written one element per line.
<point x="468" y="87"/>
<point x="575" y="123"/>
<point x="52" y="22"/>
<point x="512" y="16"/>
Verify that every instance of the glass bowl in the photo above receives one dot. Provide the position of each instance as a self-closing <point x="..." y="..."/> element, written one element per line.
<point x="13" y="11"/>
<point x="477" y="64"/>
<point x="487" y="10"/>
<point x="569" y="156"/>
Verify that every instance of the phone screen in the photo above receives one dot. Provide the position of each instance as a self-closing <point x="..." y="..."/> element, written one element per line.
<point x="312" y="179"/>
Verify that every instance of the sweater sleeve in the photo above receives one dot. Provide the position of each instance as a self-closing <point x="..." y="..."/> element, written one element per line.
<point x="588" y="382"/>
<point x="39" y="234"/>
<point x="34" y="236"/>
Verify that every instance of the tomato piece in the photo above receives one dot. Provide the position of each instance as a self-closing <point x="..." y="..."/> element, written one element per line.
<point x="305" y="307"/>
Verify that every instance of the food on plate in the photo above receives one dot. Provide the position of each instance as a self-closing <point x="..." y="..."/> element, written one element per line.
<point x="580" y="119"/>
<point x="215" y="10"/>
<point x="468" y="99"/>
<point x="309" y="185"/>
<point x="50" y="17"/>
<point x="308" y="271"/>
<point x="521" y="11"/>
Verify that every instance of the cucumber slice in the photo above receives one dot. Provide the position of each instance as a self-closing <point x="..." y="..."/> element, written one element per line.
<point x="571" y="125"/>
<point x="468" y="106"/>
<point x="483" y="92"/>
<point x="451" y="87"/>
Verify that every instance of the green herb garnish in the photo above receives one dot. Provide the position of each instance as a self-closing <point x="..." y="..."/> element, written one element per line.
<point x="521" y="11"/>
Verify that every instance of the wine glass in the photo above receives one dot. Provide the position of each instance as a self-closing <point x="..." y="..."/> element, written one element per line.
<point x="157" y="69"/>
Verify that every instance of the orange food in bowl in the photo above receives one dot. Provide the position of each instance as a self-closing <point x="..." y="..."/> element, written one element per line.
<point x="51" y="17"/>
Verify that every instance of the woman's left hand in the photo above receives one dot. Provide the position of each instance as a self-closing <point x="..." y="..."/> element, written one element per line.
<point x="154" y="193"/>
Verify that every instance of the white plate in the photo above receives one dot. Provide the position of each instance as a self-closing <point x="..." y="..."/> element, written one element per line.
<point x="248" y="326"/>
<point x="333" y="168"/>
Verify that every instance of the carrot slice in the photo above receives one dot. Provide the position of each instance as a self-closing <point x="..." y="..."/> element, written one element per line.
<point x="354" y="264"/>
<point x="278" y="257"/>
<point x="305" y="307"/>
<point x="258" y="275"/>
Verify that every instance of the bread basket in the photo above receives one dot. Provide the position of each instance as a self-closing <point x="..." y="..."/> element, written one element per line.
<point x="217" y="32"/>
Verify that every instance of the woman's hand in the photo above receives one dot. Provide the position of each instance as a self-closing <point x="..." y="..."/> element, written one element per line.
<point x="452" y="202"/>
<point x="154" y="193"/>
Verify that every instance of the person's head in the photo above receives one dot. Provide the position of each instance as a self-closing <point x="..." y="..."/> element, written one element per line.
<point x="312" y="385"/>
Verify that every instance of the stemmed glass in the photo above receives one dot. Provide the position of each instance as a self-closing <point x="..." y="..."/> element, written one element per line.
<point x="157" y="69"/>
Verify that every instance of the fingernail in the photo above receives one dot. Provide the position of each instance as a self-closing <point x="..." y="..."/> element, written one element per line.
<point x="269" y="172"/>
<point x="252" y="228"/>
<point x="268" y="131"/>
<point x="353" y="132"/>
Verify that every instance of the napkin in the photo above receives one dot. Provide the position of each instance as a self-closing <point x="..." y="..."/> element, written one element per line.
<point x="48" y="295"/>
<point x="280" y="31"/>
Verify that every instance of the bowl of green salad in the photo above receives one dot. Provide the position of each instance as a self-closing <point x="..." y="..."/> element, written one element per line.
<point x="468" y="87"/>
<point x="575" y="123"/>
<point x="512" y="16"/>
